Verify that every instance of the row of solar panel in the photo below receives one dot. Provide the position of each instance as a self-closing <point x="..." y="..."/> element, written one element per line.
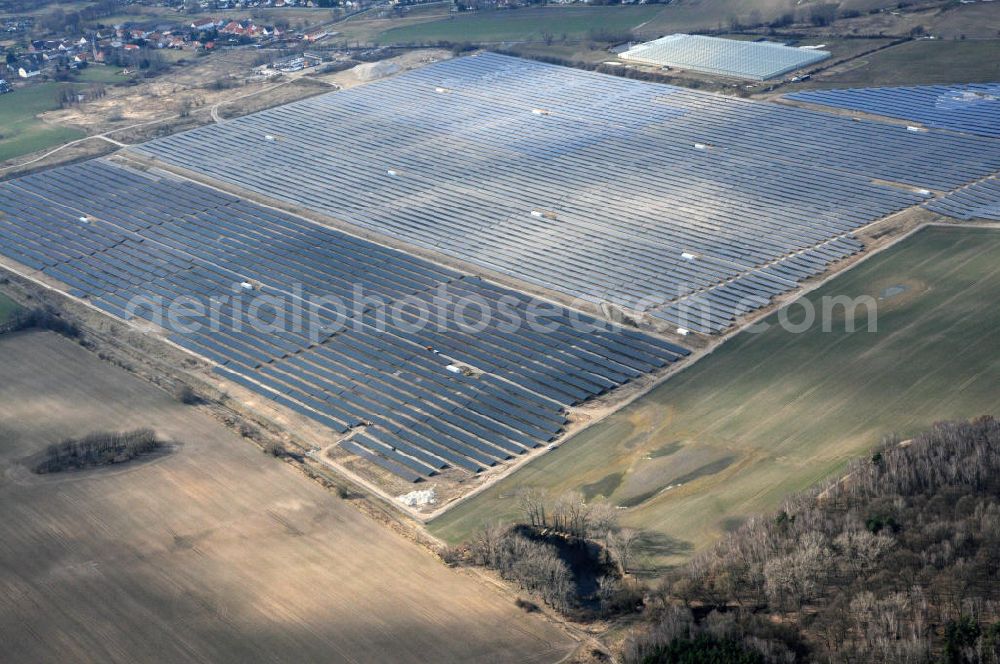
<point x="789" y="231"/>
<point x="656" y="262"/>
<point x="405" y="383"/>
<point x="973" y="108"/>
<point x="978" y="201"/>
<point x="784" y="134"/>
<point x="326" y="259"/>
<point x="719" y="307"/>
<point x="225" y="349"/>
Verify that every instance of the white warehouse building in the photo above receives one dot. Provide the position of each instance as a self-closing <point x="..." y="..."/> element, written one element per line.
<point x="756" y="61"/>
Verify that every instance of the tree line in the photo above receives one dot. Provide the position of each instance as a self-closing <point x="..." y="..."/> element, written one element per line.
<point x="59" y="20"/>
<point x="40" y="318"/>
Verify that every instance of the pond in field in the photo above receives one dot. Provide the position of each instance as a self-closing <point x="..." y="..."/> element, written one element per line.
<point x="893" y="291"/>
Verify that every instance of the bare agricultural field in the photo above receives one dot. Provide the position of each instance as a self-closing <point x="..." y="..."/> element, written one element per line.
<point x="213" y="552"/>
<point x="293" y="90"/>
<point x="771" y="413"/>
<point x="364" y="28"/>
<point x="976" y="21"/>
<point x="857" y="17"/>
<point x="296" y="17"/>
<point x="692" y="15"/>
<point x="590" y="53"/>
<point x="35" y="123"/>
<point x="78" y="150"/>
<point x="526" y="24"/>
<point x="367" y="72"/>
<point x="947" y="21"/>
<point x="180" y="99"/>
<point x="922" y="62"/>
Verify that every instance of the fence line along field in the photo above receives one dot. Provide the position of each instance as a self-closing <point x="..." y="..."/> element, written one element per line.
<point x="769" y="414"/>
<point x="211" y="552"/>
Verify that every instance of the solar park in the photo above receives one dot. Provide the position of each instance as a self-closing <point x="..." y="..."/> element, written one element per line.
<point x="687" y="207"/>
<point x="114" y="234"/>
<point x="751" y="60"/>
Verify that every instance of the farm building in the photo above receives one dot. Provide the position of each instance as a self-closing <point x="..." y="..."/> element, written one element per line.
<point x="755" y="61"/>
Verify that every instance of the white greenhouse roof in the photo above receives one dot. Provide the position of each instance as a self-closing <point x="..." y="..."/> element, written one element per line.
<point x="725" y="57"/>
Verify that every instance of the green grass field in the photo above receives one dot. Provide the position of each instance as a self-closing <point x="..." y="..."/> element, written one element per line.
<point x="772" y="413"/>
<point x="7" y="307"/>
<point x="522" y="24"/>
<point x="22" y="132"/>
<point x="100" y="74"/>
<point x="688" y="16"/>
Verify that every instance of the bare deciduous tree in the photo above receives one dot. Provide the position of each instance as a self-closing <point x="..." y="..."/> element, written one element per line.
<point x="602" y="519"/>
<point x="621" y="546"/>
<point x="532" y="504"/>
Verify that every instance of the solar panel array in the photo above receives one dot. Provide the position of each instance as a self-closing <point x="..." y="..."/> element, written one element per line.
<point x="656" y="198"/>
<point x="971" y="109"/>
<point x="977" y="201"/>
<point x="415" y="399"/>
<point x="755" y="61"/>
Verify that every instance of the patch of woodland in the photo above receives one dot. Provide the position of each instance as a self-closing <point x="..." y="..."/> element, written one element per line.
<point x="895" y="562"/>
<point x="103" y="448"/>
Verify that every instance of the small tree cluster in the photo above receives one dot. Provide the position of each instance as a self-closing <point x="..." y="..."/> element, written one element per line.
<point x="823" y="14"/>
<point x="186" y="395"/>
<point x="97" y="449"/>
<point x="533" y="565"/>
<point x="572" y="554"/>
<point x="275" y="449"/>
<point x="570" y="515"/>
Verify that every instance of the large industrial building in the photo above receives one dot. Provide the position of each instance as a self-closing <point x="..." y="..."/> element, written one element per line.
<point x="754" y="61"/>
